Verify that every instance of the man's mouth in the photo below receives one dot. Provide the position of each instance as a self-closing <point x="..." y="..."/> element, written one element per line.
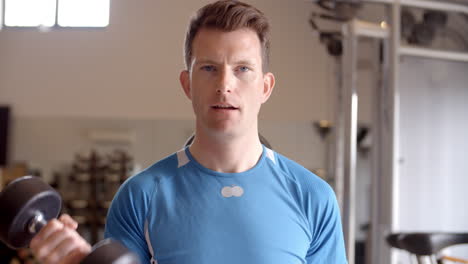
<point x="224" y="107"/>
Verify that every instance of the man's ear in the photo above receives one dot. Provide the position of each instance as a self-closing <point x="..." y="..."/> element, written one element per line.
<point x="268" y="85"/>
<point x="184" y="79"/>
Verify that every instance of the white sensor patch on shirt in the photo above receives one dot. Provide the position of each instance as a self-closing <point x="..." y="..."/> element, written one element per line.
<point x="229" y="191"/>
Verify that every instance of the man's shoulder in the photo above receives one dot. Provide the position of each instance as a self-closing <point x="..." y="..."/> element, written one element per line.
<point x="149" y="178"/>
<point x="308" y="182"/>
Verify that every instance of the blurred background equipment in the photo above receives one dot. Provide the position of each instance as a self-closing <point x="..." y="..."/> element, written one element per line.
<point x="91" y="184"/>
<point x="379" y="38"/>
<point x="341" y="10"/>
<point x="337" y="11"/>
<point x="428" y="247"/>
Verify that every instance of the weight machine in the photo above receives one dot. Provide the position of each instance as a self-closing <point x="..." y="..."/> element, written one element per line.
<point x="386" y="121"/>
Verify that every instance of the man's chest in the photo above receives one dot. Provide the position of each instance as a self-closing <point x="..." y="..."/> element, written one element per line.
<point x="227" y="221"/>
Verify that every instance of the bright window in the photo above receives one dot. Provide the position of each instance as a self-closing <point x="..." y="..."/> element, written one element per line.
<point x="30" y="13"/>
<point x="83" y="13"/>
<point x="64" y="13"/>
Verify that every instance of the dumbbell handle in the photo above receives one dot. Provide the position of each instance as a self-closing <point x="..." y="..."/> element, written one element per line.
<point x="36" y="223"/>
<point x="106" y="251"/>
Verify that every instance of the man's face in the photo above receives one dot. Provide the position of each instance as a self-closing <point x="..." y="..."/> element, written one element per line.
<point x="226" y="83"/>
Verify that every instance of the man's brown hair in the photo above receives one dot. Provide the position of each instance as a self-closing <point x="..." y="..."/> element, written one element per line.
<point x="229" y="15"/>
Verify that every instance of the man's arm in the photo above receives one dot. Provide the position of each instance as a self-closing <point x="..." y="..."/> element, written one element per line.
<point x="327" y="244"/>
<point x="127" y="215"/>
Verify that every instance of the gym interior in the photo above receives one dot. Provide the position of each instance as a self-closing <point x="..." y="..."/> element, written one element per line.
<point x="370" y="95"/>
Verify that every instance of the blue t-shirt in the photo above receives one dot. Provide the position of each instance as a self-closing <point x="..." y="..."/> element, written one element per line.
<point x="179" y="212"/>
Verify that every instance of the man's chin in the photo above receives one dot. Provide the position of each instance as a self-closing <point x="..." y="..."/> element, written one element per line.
<point x="225" y="130"/>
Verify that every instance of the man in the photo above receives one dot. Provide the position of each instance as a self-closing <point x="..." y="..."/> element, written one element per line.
<point x="226" y="198"/>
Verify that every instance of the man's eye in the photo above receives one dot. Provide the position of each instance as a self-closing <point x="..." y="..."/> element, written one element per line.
<point x="208" y="68"/>
<point x="244" y="69"/>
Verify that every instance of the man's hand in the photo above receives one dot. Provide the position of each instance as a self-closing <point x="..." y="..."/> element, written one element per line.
<point x="59" y="243"/>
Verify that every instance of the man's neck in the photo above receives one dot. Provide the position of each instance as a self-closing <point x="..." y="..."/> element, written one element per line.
<point x="229" y="156"/>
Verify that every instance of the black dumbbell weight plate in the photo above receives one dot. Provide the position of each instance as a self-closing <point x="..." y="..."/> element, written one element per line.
<point x="20" y="202"/>
<point x="110" y="252"/>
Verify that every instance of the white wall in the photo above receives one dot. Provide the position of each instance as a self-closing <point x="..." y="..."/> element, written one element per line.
<point x="130" y="69"/>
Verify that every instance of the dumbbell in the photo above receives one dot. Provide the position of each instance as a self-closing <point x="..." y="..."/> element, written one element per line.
<point x="28" y="203"/>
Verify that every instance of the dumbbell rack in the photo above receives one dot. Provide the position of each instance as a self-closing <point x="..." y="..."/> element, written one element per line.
<point x="92" y="183"/>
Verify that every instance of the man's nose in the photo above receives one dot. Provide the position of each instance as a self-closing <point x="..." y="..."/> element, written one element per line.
<point x="224" y="82"/>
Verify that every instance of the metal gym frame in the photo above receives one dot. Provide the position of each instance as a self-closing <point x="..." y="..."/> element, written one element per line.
<point x="385" y="149"/>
